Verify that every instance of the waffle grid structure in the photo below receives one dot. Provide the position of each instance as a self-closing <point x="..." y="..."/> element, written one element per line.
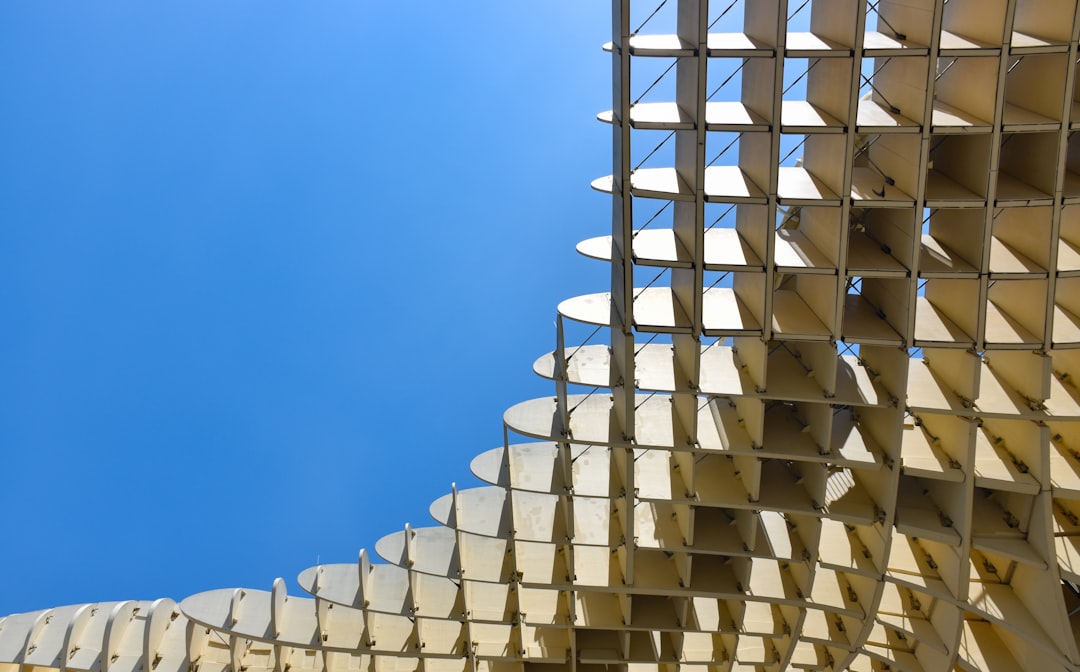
<point x="838" y="429"/>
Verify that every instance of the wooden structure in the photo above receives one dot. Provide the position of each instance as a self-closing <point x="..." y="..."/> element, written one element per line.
<point x="826" y="417"/>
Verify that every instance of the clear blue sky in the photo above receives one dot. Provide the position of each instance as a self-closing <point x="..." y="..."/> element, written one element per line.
<point x="270" y="272"/>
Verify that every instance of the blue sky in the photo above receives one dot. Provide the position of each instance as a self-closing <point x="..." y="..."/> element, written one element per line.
<point x="271" y="271"/>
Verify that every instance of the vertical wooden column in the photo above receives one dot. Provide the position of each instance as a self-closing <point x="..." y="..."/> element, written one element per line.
<point x="689" y="216"/>
<point x="1059" y="190"/>
<point x="934" y="43"/>
<point x="622" y="271"/>
<point x="759" y="154"/>
<point x="832" y="19"/>
<point x="996" y="139"/>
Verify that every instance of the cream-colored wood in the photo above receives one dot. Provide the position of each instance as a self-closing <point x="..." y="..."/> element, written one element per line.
<point x="1011" y="191"/>
<point x="800" y="116"/>
<point x="863" y="324"/>
<point x="728" y="184"/>
<point x="1066" y="328"/>
<point x="1068" y="261"/>
<point x="1049" y="21"/>
<point x="879" y="44"/>
<point x="1013" y="316"/>
<point x="955" y="44"/>
<point x="660" y="116"/>
<point x="1006" y="261"/>
<point x="660" y="45"/>
<point x="924" y="457"/>
<point x="727" y="314"/>
<point x="1018" y="119"/>
<point x="800" y="187"/>
<point x="1029" y="44"/>
<point x="810" y="45"/>
<point x="737" y="44"/>
<point x="794" y="251"/>
<point x="936" y="260"/>
<point x="981" y="648"/>
<point x="1023" y="178"/>
<point x="873" y="117"/>
<point x="1031" y="85"/>
<point x="663" y="183"/>
<point x="867" y="257"/>
<point x="724" y="249"/>
<point x="653" y="247"/>
<point x="949" y="119"/>
<point x="896" y="157"/>
<point x="944" y="192"/>
<point x="947" y="315"/>
<point x="858" y="450"/>
<point x="964" y="159"/>
<point x="983" y="22"/>
<point x="733" y="117"/>
<point x="1071" y="188"/>
<point x="870" y="189"/>
<point x="931" y="392"/>
<point x="820" y="157"/>
<point x="794" y="319"/>
<point x="900" y="87"/>
<point x="996" y="468"/>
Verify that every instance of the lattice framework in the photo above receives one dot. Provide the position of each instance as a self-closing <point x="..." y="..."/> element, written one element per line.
<point x="833" y="425"/>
